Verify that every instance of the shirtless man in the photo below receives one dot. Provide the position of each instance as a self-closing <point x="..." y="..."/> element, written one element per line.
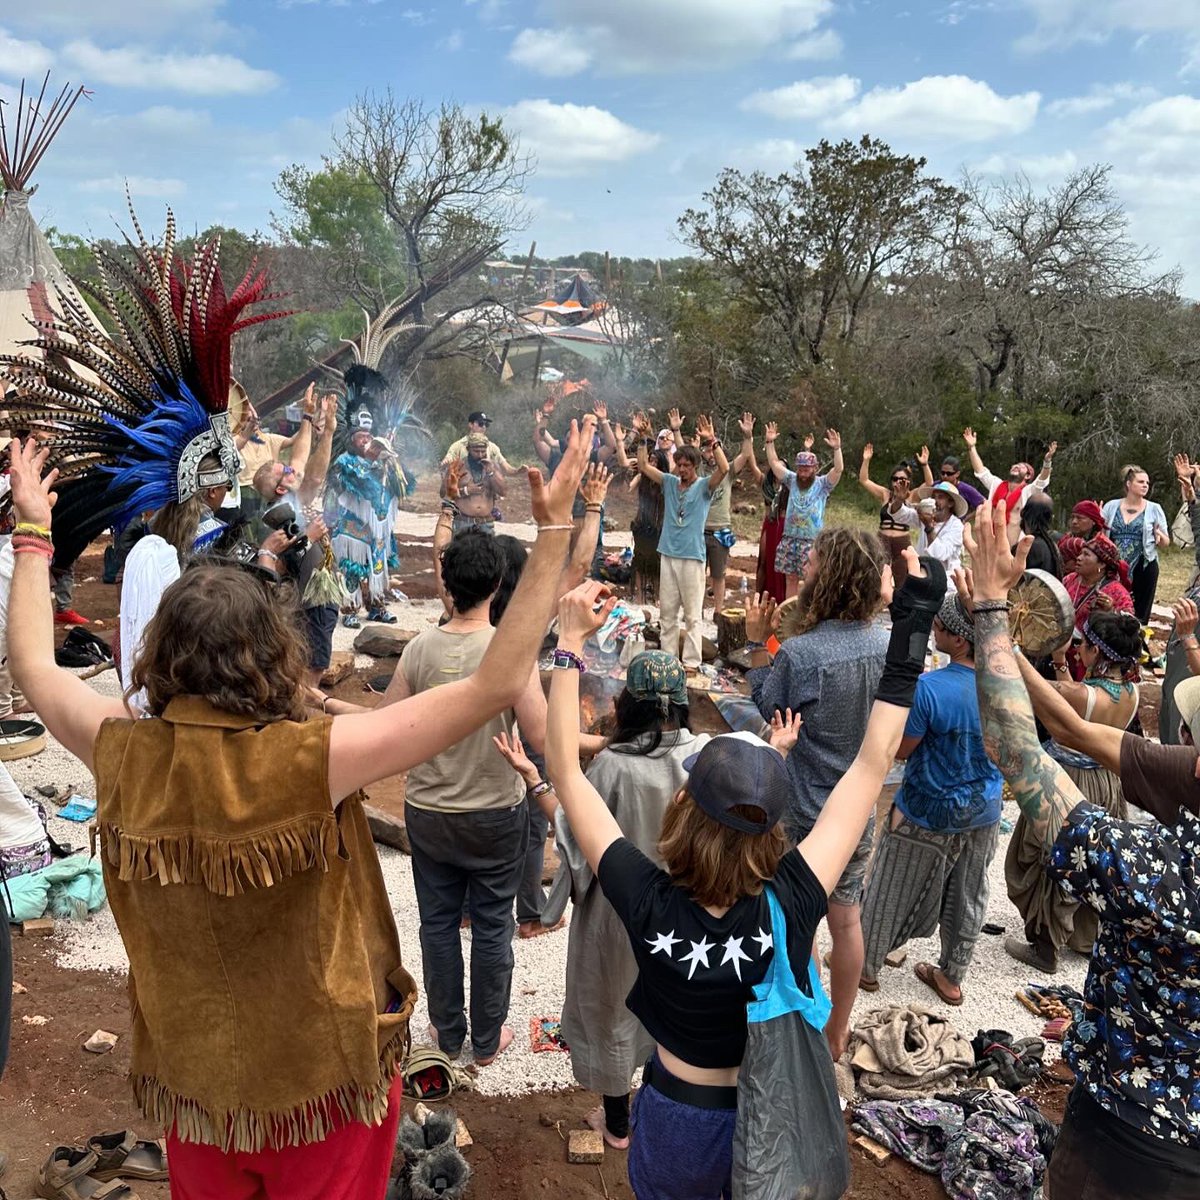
<point x="480" y="487"/>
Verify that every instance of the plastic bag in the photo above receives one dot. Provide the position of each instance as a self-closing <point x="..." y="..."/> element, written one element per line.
<point x="789" y="1142"/>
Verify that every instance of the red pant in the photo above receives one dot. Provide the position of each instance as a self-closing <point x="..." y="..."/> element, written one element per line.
<point x="351" y="1164"/>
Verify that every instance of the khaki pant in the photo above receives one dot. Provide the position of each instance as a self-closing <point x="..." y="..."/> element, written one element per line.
<point x="681" y="585"/>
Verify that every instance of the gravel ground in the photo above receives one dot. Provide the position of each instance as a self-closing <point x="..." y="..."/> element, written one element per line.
<point x="539" y="975"/>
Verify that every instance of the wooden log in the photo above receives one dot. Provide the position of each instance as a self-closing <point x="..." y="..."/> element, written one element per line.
<point x="731" y="630"/>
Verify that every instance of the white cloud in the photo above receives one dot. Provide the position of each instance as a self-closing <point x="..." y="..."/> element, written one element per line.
<point x="139" y="186"/>
<point x="826" y="44"/>
<point x="772" y="155"/>
<point x="198" y="74"/>
<point x="652" y="36"/>
<point x="1039" y="169"/>
<point x="1162" y="135"/>
<point x="1099" y="98"/>
<point x="1060" y="23"/>
<point x="572" y="139"/>
<point x="197" y="19"/>
<point x="556" y="53"/>
<point x="805" y="99"/>
<point x="945" y="107"/>
<point x="22" y="59"/>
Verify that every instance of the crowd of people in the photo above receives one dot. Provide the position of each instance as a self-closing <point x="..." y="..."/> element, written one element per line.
<point x="700" y="867"/>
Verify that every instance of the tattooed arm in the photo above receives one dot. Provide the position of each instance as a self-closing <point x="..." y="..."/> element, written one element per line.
<point x="1042" y="790"/>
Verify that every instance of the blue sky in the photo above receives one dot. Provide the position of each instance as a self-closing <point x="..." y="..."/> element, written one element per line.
<point x="631" y="106"/>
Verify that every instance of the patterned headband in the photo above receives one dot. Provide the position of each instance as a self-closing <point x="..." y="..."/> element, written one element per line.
<point x="1104" y="648"/>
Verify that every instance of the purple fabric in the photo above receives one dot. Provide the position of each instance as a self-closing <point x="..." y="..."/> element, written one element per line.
<point x="679" y="1152"/>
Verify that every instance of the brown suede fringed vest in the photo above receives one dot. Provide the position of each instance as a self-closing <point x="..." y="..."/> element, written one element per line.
<point x="268" y="998"/>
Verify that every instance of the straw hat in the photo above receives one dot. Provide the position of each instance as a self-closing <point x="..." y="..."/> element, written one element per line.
<point x="1187" y="701"/>
<point x="929" y="490"/>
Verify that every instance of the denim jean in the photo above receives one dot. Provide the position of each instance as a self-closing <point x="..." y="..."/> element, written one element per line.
<point x="477" y="856"/>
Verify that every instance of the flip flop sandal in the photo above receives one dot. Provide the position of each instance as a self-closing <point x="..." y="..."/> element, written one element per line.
<point x="65" y="1176"/>
<point x="925" y="973"/>
<point x="125" y="1154"/>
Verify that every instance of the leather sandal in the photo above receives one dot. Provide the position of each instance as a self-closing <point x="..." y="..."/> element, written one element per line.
<point x="126" y="1155"/>
<point x="64" y="1176"/>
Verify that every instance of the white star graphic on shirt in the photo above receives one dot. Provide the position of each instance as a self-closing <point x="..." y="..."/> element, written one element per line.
<point x="733" y="954"/>
<point x="700" y="951"/>
<point x="765" y="941"/>
<point x="664" y="941"/>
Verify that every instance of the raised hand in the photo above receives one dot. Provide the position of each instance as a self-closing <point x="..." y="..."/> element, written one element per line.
<point x="551" y="502"/>
<point x="32" y="486"/>
<point x="761" y="618"/>
<point x="746" y="424"/>
<point x="310" y="399"/>
<point x="785" y="730"/>
<point x="619" y="431"/>
<point x="923" y="456"/>
<point x="833" y="439"/>
<point x="771" y="432"/>
<point x="868" y="452"/>
<point x="994" y="565"/>
<point x="595" y="483"/>
<point x="600" y="410"/>
<point x="1051" y="450"/>
<point x="641" y="424"/>
<point x="808" y="441"/>
<point x="674" y="419"/>
<point x="969" y="436"/>
<point x="704" y="427"/>
<point x="456" y="472"/>
<point x="513" y="752"/>
<point x="582" y="611"/>
<point x="1183" y="468"/>
<point x="1186" y="616"/>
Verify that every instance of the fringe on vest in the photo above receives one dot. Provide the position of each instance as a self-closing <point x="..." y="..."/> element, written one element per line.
<point x="249" y="1131"/>
<point x="225" y="866"/>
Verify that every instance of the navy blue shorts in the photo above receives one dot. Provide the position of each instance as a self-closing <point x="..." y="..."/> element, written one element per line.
<point x="679" y="1151"/>
<point x="319" y="624"/>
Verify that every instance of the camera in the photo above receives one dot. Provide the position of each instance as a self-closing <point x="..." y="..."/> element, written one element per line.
<point x="282" y="516"/>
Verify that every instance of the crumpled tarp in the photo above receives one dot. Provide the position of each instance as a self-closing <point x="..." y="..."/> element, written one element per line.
<point x="70" y="887"/>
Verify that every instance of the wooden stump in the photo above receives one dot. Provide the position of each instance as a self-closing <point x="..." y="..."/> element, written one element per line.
<point x="731" y="630"/>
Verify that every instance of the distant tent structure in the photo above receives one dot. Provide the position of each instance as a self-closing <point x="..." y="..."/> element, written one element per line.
<point x="30" y="271"/>
<point x="574" y="300"/>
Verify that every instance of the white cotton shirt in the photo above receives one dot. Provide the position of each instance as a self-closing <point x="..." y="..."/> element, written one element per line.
<point x="151" y="568"/>
<point x="945" y="544"/>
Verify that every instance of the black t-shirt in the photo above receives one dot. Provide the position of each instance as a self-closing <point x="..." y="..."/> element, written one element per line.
<point x="696" y="971"/>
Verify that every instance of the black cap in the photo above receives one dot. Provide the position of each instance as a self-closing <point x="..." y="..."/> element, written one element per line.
<point x="479" y="418"/>
<point x="738" y="768"/>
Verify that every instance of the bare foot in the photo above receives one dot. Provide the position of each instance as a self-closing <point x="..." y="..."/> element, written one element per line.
<point x="532" y="929"/>
<point x="506" y="1040"/>
<point x="932" y="977"/>
<point x="596" y="1120"/>
<point x="431" y="1030"/>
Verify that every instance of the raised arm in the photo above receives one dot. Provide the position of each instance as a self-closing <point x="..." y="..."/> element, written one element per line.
<point x="704" y="427"/>
<point x="1042" y="481"/>
<point x="828" y="848"/>
<point x="745" y="455"/>
<point x="972" y="440"/>
<point x="608" y="440"/>
<point x="318" y="464"/>
<point x="69" y="709"/>
<point x="594" y="827"/>
<point x="593" y="489"/>
<point x="1065" y="724"/>
<point x="923" y="459"/>
<point x="778" y="469"/>
<point x="833" y="440"/>
<point x="1042" y="789"/>
<point x="642" y="428"/>
<point x="302" y="439"/>
<point x="622" y="457"/>
<point x="874" y="490"/>
<point x="384" y="742"/>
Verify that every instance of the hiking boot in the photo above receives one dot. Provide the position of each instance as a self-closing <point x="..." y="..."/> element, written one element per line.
<point x="68" y="616"/>
<point x="1042" y="959"/>
<point x="441" y="1175"/>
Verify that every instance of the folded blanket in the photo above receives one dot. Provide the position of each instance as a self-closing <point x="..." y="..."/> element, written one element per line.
<point x="904" y="1051"/>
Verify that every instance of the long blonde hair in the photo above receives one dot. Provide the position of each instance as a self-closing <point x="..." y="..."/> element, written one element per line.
<point x="848" y="584"/>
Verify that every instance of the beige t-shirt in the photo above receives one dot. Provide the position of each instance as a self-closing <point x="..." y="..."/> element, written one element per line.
<point x="258" y="454"/>
<point x="471" y="775"/>
<point x="459" y="450"/>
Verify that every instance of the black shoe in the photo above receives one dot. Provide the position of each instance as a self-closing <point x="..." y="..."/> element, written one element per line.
<point x="1029" y="954"/>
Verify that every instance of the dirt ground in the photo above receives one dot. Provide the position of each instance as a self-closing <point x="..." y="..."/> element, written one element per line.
<point x="55" y="1093"/>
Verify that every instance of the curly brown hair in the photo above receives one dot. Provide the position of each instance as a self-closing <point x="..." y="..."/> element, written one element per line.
<point x="714" y="864"/>
<point x="226" y="634"/>
<point x="848" y="583"/>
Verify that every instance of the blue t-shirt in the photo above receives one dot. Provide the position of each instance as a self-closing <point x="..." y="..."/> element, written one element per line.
<point x="950" y="784"/>
<point x="805" y="507"/>
<point x="684" y="514"/>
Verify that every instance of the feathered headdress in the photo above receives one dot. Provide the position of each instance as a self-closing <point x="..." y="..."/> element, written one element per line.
<point x="129" y="416"/>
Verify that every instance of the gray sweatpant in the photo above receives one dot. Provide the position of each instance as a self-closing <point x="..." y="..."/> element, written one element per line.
<point x="920" y="881"/>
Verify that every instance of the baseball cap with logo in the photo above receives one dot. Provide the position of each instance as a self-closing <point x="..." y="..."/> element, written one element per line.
<point x="479" y="418"/>
<point x="735" y="769"/>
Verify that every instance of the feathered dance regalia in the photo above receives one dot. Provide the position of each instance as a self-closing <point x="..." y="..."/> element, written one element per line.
<point x="367" y="480"/>
<point x="130" y="415"/>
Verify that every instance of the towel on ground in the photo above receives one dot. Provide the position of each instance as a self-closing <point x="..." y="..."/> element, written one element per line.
<point x="905" y="1051"/>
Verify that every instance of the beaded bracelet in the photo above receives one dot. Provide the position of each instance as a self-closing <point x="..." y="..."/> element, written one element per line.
<point x="541" y="788"/>
<point x="565" y="659"/>
<point x="991" y="606"/>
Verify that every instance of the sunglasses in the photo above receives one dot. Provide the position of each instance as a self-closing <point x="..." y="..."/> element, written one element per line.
<point x="901" y="479"/>
<point x="948" y="474"/>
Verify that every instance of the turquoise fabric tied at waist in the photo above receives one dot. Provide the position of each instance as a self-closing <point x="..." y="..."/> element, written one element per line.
<point x="779" y="993"/>
<point x="1070" y="758"/>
